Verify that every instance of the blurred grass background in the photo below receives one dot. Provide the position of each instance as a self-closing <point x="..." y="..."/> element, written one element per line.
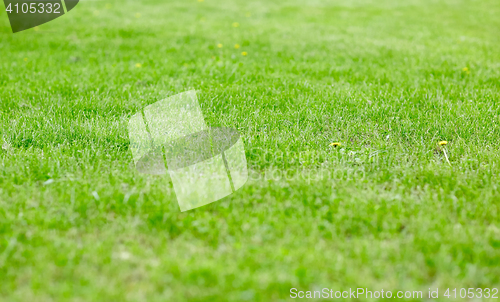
<point x="387" y="79"/>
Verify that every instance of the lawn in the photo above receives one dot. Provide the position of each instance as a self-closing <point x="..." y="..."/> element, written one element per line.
<point x="388" y="80"/>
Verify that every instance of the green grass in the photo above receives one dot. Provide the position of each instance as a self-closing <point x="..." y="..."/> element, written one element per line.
<point x="384" y="78"/>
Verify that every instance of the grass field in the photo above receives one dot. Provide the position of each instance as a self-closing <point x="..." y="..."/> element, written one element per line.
<point x="386" y="79"/>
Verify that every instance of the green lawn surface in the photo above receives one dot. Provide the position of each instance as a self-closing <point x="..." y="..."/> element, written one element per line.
<point x="386" y="79"/>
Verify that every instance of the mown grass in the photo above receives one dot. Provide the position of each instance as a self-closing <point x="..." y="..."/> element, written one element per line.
<point x="386" y="79"/>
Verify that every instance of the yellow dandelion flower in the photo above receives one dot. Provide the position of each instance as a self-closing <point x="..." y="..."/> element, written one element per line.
<point x="335" y="144"/>
<point x="244" y="53"/>
<point x="236" y="24"/>
<point x="138" y="15"/>
<point x="219" y="45"/>
<point x="465" y="69"/>
<point x="237" y="46"/>
<point x="138" y="65"/>
<point x="25" y="59"/>
<point x="444" y="143"/>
